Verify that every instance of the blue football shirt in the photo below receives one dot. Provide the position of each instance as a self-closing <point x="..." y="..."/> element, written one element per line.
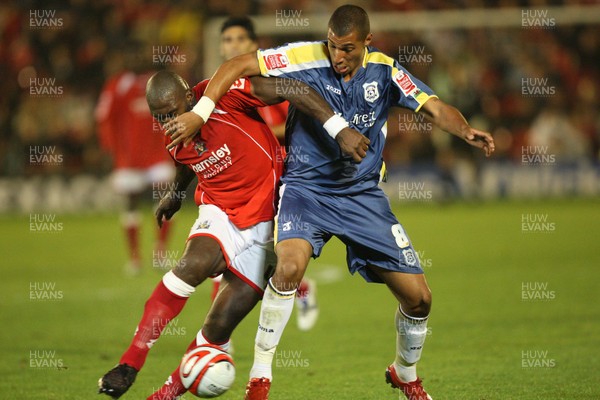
<point x="314" y="158"/>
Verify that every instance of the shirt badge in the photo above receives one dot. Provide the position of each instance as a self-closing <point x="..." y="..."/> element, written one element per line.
<point x="200" y="147"/>
<point x="371" y="91"/>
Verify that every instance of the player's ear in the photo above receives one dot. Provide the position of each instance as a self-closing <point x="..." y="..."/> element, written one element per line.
<point x="189" y="97"/>
<point x="368" y="39"/>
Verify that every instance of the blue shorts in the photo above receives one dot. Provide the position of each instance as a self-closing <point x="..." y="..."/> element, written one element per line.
<point x="363" y="222"/>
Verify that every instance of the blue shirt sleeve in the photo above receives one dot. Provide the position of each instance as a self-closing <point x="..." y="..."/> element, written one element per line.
<point x="408" y="91"/>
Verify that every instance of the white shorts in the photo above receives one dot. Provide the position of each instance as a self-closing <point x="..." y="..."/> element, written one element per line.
<point x="249" y="252"/>
<point x="132" y="180"/>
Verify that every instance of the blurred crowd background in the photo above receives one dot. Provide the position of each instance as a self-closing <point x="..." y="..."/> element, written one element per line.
<point x="480" y="71"/>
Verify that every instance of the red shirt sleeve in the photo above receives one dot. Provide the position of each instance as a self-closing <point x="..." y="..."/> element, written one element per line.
<point x="274" y="114"/>
<point x="239" y="96"/>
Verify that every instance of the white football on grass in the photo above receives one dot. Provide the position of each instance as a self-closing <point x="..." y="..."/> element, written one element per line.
<point x="207" y="371"/>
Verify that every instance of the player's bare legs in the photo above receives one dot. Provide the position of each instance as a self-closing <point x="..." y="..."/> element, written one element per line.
<point x="233" y="302"/>
<point x="414" y="296"/>
<point x="202" y="257"/>
<point x="293" y="256"/>
<point x="411" y="290"/>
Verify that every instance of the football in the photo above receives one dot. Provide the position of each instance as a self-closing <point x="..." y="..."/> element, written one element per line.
<point x="207" y="371"/>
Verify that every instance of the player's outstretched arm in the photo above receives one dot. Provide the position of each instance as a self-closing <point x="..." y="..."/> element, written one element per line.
<point x="451" y="120"/>
<point x="186" y="126"/>
<point x="302" y="96"/>
<point x="171" y="201"/>
<point x="309" y="102"/>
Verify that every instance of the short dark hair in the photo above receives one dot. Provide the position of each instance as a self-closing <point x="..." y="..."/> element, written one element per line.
<point x="349" y="17"/>
<point x="243" y="22"/>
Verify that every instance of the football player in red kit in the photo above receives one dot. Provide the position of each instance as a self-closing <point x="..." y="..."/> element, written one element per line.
<point x="237" y="163"/>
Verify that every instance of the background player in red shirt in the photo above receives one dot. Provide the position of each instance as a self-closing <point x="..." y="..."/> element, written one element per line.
<point x="123" y="121"/>
<point x="237" y="162"/>
<point x="238" y="37"/>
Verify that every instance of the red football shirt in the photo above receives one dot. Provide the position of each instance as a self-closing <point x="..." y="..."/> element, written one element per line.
<point x="235" y="157"/>
<point x="125" y="125"/>
<point x="275" y="114"/>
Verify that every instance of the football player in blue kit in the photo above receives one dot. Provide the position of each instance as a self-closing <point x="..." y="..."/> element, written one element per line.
<point x="330" y="184"/>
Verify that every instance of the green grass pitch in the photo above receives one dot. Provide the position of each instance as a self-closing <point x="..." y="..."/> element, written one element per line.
<point x="515" y="311"/>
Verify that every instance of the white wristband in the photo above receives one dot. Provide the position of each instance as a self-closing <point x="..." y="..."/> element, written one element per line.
<point x="334" y="125"/>
<point x="204" y="107"/>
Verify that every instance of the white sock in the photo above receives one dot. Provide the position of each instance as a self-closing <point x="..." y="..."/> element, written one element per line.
<point x="410" y="337"/>
<point x="176" y="285"/>
<point x="201" y="339"/>
<point x="275" y="312"/>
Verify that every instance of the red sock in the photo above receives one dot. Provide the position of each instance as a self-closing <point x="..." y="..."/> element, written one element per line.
<point x="162" y="306"/>
<point x="132" y="232"/>
<point x="173" y="387"/>
<point x="302" y="289"/>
